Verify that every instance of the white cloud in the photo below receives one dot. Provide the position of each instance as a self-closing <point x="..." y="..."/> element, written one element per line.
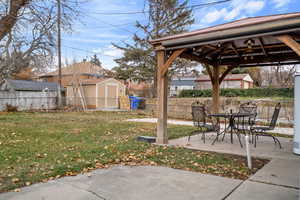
<point x="110" y="35"/>
<point x="108" y="54"/>
<point x="83" y="40"/>
<point x="252" y="7"/>
<point x="113" y="52"/>
<point x="109" y="51"/>
<point x="236" y="10"/>
<point x="232" y="14"/>
<point x="214" y="15"/>
<point x="280" y="3"/>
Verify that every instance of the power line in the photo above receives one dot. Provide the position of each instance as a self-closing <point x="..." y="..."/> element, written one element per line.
<point x="59" y="51"/>
<point x="147" y="11"/>
<point x="87" y="51"/>
<point x="92" y="52"/>
<point x="113" y="25"/>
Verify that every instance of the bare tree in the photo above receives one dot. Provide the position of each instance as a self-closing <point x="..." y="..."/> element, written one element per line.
<point x="10" y="16"/>
<point x="28" y="39"/>
<point x="279" y="76"/>
<point x="285" y="75"/>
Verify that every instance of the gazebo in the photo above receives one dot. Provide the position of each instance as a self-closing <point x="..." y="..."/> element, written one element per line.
<point x="250" y="42"/>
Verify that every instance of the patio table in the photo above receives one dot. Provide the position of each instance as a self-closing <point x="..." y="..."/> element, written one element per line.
<point x="231" y="126"/>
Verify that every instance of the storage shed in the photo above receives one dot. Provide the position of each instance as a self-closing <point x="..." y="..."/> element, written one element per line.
<point x="98" y="93"/>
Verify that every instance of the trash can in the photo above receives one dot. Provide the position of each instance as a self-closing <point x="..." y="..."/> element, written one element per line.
<point x="134" y="102"/>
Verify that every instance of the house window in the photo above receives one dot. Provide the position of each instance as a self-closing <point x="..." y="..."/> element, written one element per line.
<point x="176" y="88"/>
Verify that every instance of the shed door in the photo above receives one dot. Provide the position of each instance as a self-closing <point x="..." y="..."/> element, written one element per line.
<point x="111" y="97"/>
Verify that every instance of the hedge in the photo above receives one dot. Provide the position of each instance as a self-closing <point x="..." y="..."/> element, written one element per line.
<point x="253" y="92"/>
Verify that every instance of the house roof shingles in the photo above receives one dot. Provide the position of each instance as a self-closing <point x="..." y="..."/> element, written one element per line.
<point x="79" y="68"/>
<point x="24" y="85"/>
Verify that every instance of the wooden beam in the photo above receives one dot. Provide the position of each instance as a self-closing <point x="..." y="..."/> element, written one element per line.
<point x="290" y="42"/>
<point x="207" y="67"/>
<point x="217" y="51"/>
<point x="235" y="50"/>
<point x="170" y="60"/>
<point x="210" y="46"/>
<point x="269" y="64"/>
<point x="261" y="43"/>
<point x="199" y="59"/>
<point x="261" y="59"/>
<point x="225" y="73"/>
<point x="258" y="47"/>
<point x="162" y="92"/>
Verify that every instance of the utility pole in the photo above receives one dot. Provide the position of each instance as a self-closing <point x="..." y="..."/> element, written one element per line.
<point x="59" y="52"/>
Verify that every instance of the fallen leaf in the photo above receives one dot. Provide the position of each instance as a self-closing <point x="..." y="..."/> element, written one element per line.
<point x="15" y="180"/>
<point x="17" y="190"/>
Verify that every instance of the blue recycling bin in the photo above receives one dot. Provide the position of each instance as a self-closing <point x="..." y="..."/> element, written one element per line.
<point x="134" y="102"/>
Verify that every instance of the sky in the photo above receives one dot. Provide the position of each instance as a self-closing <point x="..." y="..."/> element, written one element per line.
<point x="96" y="30"/>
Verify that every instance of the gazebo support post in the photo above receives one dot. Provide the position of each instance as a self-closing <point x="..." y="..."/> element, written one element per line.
<point x="162" y="91"/>
<point x="162" y="95"/>
<point x="215" y="89"/>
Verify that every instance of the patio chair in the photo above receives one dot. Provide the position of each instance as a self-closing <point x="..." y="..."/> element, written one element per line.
<point x="200" y="117"/>
<point x="245" y="124"/>
<point x="261" y="130"/>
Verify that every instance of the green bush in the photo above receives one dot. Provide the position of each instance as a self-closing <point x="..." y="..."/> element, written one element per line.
<point x="253" y="92"/>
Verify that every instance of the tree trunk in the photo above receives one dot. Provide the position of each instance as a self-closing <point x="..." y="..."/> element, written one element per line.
<point x="8" y="21"/>
<point x="215" y="89"/>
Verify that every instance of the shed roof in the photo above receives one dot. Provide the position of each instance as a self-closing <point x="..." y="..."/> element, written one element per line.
<point x="93" y="81"/>
<point x="229" y="77"/>
<point x="25" y="85"/>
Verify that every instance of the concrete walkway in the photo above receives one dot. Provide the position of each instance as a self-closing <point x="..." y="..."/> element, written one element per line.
<point x="132" y="183"/>
<point x="151" y="183"/>
<point x="286" y="131"/>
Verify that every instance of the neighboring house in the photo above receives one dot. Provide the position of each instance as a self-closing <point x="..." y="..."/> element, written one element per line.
<point x="77" y="71"/>
<point x="98" y="93"/>
<point x="182" y="83"/>
<point x="28" y="95"/>
<point x="235" y="81"/>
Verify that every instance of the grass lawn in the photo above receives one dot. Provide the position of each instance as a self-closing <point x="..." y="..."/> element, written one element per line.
<point x="37" y="147"/>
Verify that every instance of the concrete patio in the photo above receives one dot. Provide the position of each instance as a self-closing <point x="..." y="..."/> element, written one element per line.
<point x="265" y="146"/>
<point x="151" y="183"/>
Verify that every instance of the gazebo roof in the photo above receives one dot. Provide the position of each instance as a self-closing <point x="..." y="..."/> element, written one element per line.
<point x="245" y="42"/>
<point x="258" y="41"/>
